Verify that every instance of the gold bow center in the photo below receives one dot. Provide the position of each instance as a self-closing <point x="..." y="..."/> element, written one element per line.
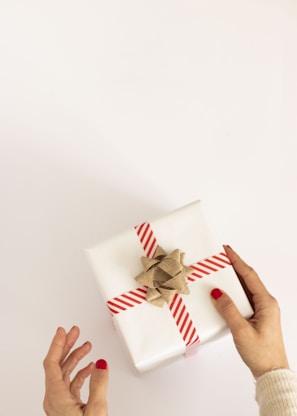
<point x="164" y="275"/>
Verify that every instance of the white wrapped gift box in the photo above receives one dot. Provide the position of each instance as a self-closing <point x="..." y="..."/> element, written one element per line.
<point x="152" y="334"/>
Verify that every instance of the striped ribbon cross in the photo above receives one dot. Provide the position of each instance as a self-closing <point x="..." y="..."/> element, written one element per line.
<point x="177" y="306"/>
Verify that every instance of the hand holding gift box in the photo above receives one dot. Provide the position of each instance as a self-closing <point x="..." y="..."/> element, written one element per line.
<point x="156" y="334"/>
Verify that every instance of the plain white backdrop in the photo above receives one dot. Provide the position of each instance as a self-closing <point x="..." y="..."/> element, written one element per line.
<point x="117" y="112"/>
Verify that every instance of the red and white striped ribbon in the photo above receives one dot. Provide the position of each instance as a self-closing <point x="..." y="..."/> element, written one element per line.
<point x="208" y="266"/>
<point x="177" y="306"/>
<point x="147" y="239"/>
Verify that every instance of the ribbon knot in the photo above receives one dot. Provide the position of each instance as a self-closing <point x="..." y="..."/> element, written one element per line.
<point x="164" y="275"/>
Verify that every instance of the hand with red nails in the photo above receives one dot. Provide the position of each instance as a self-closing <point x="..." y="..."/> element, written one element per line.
<point x="62" y="395"/>
<point x="258" y="340"/>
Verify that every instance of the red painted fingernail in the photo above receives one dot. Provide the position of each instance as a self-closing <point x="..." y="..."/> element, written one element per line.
<point x="101" y="364"/>
<point x="216" y="293"/>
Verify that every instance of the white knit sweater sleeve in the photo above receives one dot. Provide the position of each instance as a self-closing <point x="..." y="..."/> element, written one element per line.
<point x="276" y="393"/>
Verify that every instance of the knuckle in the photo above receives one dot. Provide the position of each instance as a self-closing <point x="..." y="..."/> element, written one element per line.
<point x="103" y="409"/>
<point x="270" y="305"/>
<point x="79" y="381"/>
<point x="274" y="303"/>
<point x="46" y="405"/>
<point x="45" y="363"/>
<point x="99" y="407"/>
<point x="66" y="376"/>
<point x="227" y="307"/>
<point x="249" y="270"/>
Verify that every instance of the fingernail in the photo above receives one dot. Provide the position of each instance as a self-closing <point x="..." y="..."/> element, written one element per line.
<point x="101" y="364"/>
<point x="216" y="293"/>
<point x="58" y="329"/>
<point x="227" y="245"/>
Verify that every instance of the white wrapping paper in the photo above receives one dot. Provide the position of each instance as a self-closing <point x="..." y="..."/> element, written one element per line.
<point x="150" y="333"/>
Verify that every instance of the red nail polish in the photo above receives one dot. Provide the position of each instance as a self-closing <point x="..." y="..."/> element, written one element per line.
<point x="101" y="364"/>
<point x="216" y="293"/>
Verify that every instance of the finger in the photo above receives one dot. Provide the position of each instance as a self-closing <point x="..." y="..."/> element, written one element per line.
<point x="228" y="311"/>
<point x="79" y="380"/>
<point x="246" y="274"/>
<point x="98" y="389"/>
<point x="52" y="360"/>
<point x="71" y="339"/>
<point x="74" y="358"/>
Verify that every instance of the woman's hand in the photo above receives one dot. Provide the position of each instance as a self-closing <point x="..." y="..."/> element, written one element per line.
<point x="62" y="395"/>
<point x="258" y="340"/>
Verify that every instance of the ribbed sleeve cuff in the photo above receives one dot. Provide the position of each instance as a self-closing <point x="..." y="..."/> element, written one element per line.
<point x="276" y="393"/>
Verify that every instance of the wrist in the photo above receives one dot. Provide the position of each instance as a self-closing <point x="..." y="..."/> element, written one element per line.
<point x="260" y="372"/>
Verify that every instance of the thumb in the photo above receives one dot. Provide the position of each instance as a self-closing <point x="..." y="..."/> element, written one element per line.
<point x="228" y="311"/>
<point x="97" y="403"/>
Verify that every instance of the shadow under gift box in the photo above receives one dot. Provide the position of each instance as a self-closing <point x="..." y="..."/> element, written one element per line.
<point x="150" y="333"/>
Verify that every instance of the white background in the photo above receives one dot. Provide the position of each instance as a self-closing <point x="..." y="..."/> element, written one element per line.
<point x="113" y="112"/>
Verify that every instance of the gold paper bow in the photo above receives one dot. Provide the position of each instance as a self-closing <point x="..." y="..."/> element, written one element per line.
<point x="164" y="275"/>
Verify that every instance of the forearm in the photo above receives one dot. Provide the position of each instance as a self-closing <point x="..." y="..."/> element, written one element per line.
<point x="276" y="393"/>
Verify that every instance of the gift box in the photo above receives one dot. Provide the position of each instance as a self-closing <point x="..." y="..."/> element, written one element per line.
<point x="156" y="280"/>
